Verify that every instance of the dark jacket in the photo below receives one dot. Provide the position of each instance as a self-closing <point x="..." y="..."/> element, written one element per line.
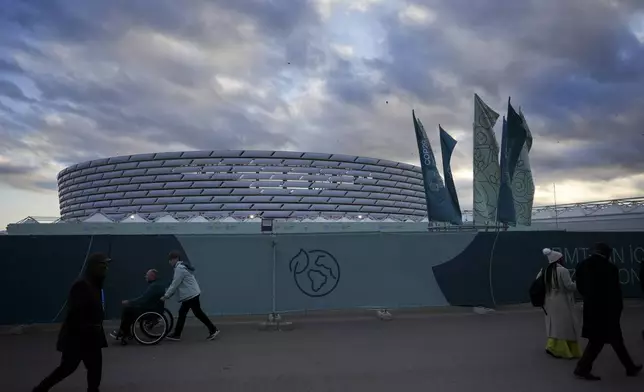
<point x="151" y="298"/>
<point x="598" y="283"/>
<point x="83" y="325"/>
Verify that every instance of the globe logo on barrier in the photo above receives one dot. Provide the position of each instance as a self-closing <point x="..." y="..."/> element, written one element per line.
<point x="316" y="272"/>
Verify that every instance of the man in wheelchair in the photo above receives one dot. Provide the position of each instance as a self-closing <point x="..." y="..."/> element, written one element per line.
<point x="148" y="301"/>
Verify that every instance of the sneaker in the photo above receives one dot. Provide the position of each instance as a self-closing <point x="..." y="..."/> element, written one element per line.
<point x="116" y="335"/>
<point x="213" y="335"/>
<point x="587" y="376"/>
<point x="634" y="371"/>
<point x="174" y="338"/>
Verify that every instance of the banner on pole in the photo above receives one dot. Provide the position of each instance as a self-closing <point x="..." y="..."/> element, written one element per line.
<point x="448" y="143"/>
<point x="439" y="205"/>
<point x="487" y="172"/>
<point x="514" y="137"/>
<point x="523" y="183"/>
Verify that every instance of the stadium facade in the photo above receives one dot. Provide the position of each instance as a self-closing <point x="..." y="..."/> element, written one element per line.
<point x="242" y="184"/>
<point x="207" y="192"/>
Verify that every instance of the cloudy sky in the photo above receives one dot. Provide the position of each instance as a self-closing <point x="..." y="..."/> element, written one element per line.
<point x="83" y="79"/>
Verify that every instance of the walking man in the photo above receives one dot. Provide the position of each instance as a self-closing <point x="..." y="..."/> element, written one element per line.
<point x="81" y="336"/>
<point x="148" y="301"/>
<point x="598" y="283"/>
<point x="185" y="285"/>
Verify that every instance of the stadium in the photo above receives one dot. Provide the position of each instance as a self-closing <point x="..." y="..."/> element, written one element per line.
<point x="242" y="184"/>
<point x="295" y="191"/>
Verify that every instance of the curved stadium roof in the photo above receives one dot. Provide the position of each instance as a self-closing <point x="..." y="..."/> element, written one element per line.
<point x="271" y="184"/>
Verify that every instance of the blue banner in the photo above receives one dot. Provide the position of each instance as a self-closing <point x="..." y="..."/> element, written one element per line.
<point x="505" y="207"/>
<point x="439" y="205"/>
<point x="448" y="143"/>
<point x="514" y="137"/>
<point x="517" y="135"/>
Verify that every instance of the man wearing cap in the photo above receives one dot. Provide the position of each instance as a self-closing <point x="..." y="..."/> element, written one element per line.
<point x="598" y="283"/>
<point x="81" y="336"/>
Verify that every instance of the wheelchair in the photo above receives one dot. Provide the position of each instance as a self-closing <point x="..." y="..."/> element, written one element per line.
<point x="150" y="327"/>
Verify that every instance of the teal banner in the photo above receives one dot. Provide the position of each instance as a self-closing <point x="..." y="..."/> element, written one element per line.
<point x="448" y="143"/>
<point x="439" y="205"/>
<point x="514" y="138"/>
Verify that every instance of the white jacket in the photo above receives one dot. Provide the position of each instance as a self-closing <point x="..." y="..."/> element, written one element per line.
<point x="562" y="321"/>
<point x="183" y="283"/>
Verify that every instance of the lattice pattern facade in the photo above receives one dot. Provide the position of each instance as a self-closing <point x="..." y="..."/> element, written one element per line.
<point x="271" y="184"/>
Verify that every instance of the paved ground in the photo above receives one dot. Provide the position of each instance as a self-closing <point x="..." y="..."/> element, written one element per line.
<point x="497" y="352"/>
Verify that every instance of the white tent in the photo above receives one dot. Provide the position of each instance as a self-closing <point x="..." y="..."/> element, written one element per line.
<point x="134" y="218"/>
<point x="198" y="219"/>
<point x="344" y="219"/>
<point x="389" y="220"/>
<point x="28" y="219"/>
<point x="319" y="219"/>
<point x="166" y="219"/>
<point x="228" y="219"/>
<point x="98" y="218"/>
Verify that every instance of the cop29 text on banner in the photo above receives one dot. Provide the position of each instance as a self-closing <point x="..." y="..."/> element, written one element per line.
<point x="439" y="205"/>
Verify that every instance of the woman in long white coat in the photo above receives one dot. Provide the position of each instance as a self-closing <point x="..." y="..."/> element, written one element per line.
<point x="562" y="321"/>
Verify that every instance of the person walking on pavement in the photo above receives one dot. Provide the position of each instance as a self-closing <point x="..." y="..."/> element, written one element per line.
<point x="81" y="336"/>
<point x="598" y="283"/>
<point x="185" y="285"/>
<point x="562" y="322"/>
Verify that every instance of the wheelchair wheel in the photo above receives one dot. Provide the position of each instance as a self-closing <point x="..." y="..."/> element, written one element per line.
<point x="150" y="328"/>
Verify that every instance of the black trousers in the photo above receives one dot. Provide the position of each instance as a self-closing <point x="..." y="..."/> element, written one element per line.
<point x="128" y="316"/>
<point x="93" y="360"/>
<point x="194" y="305"/>
<point x="595" y="347"/>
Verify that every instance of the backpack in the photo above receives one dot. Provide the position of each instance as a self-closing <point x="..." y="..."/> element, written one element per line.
<point x="538" y="291"/>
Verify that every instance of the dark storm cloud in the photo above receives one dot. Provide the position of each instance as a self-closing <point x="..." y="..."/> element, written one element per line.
<point x="11" y="90"/>
<point x="25" y="177"/>
<point x="122" y="77"/>
<point x="413" y="52"/>
<point x="575" y="66"/>
<point x="9" y="169"/>
<point x="127" y="105"/>
<point x="346" y="83"/>
<point x="280" y="18"/>
<point x="9" y="66"/>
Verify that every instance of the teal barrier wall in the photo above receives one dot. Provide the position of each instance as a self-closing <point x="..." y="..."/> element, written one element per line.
<point x="312" y="271"/>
